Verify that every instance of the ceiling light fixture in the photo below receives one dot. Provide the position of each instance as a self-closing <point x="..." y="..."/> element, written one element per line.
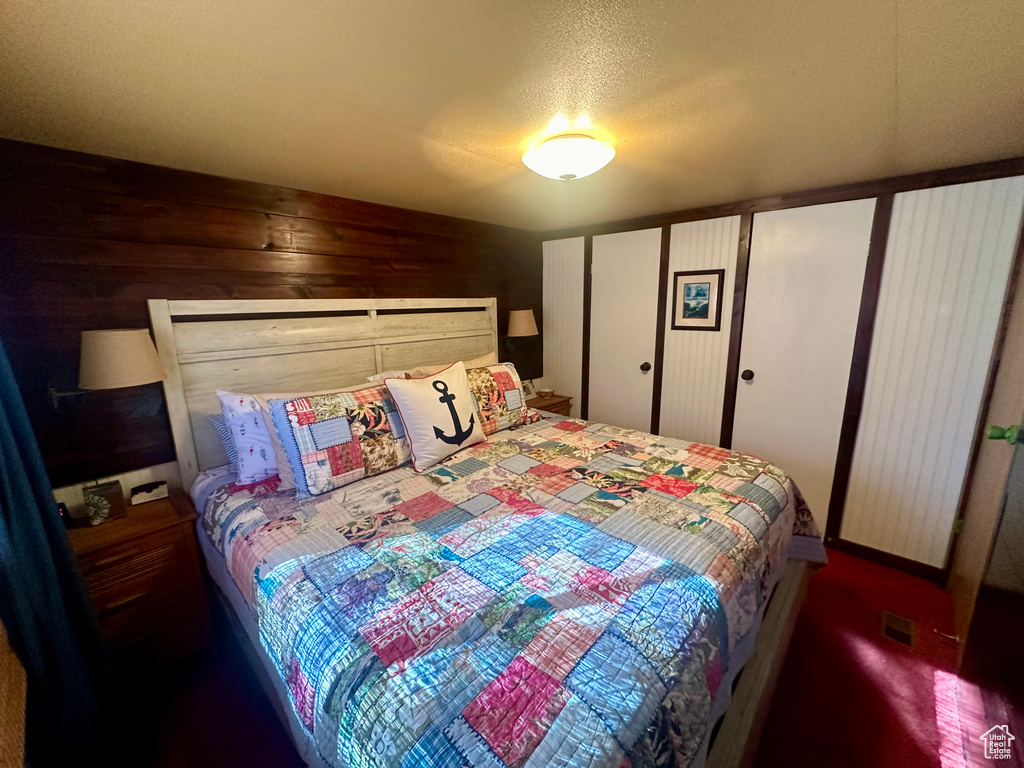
<point x="570" y="153"/>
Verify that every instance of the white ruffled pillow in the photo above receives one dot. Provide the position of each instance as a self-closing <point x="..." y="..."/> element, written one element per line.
<point x="477" y="362"/>
<point x="377" y="377"/>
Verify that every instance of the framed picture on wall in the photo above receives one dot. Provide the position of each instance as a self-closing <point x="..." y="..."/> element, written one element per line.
<point x="697" y="300"/>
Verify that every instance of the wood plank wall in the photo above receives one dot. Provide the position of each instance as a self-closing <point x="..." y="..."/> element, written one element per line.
<point x="85" y="240"/>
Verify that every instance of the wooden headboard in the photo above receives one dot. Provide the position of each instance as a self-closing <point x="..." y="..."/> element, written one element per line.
<point x="296" y="345"/>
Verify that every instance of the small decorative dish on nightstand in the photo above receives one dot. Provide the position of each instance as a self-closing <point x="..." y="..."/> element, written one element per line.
<point x="559" y="404"/>
<point x="143" y="576"/>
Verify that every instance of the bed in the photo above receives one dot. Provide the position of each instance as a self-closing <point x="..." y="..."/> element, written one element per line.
<point x="564" y="593"/>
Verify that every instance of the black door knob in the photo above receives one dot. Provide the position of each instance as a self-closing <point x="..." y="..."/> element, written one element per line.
<point x="645" y="367"/>
<point x="747" y="375"/>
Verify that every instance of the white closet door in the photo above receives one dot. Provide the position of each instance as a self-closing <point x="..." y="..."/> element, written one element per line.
<point x="563" y="318"/>
<point x="693" y="385"/>
<point x="946" y="266"/>
<point x="623" y="326"/>
<point x="804" y="288"/>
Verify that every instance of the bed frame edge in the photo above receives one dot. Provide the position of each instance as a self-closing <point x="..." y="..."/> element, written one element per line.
<point x="737" y="741"/>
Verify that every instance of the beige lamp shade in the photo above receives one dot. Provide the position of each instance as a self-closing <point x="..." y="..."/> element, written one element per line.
<point x="521" y="322"/>
<point x="120" y="358"/>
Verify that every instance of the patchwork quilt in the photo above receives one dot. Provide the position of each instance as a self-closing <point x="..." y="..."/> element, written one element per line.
<point x="563" y="594"/>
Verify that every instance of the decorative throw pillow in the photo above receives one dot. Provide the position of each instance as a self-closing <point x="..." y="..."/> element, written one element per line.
<point x="284" y="470"/>
<point x="284" y="467"/>
<point x="386" y="375"/>
<point x="429" y="370"/>
<point x="253" y="451"/>
<point x="221" y="425"/>
<point x="439" y="414"/>
<point x="499" y="397"/>
<point x="335" y="438"/>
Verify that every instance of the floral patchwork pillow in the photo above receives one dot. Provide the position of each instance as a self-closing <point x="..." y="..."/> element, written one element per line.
<point x="336" y="438"/>
<point x="499" y="397"/>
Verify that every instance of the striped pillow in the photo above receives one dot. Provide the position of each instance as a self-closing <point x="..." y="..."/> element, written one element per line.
<point x="221" y="425"/>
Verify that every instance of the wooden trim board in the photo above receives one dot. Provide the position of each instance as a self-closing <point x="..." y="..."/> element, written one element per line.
<point x="659" y="333"/>
<point x="997" y="169"/>
<point x="588" y="263"/>
<point x="174" y="391"/>
<point x="855" y="388"/>
<point x="739" y="304"/>
<point x="737" y="740"/>
<point x="304" y="306"/>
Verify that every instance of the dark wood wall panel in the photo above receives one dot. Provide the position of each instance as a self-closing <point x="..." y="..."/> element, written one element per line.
<point x="85" y="240"/>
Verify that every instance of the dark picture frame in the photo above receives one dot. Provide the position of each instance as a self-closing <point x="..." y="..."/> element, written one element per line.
<point x="697" y="300"/>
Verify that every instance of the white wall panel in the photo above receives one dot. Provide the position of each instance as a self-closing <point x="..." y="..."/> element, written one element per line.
<point x="623" y="326"/>
<point x="949" y="254"/>
<point x="563" y="318"/>
<point x="693" y="384"/>
<point x="804" y="288"/>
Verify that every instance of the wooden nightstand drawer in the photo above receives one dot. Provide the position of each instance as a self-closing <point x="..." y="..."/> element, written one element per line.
<point x="559" y="404"/>
<point x="143" y="577"/>
<point x="113" y="574"/>
<point x="141" y="614"/>
<point x="157" y="626"/>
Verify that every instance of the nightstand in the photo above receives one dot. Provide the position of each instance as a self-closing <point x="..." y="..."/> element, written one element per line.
<point x="559" y="404"/>
<point x="143" y="576"/>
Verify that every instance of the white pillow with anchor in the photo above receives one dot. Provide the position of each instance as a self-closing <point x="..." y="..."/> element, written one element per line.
<point x="439" y="414"/>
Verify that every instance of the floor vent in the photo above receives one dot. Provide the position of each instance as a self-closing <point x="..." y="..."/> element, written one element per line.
<point x="898" y="628"/>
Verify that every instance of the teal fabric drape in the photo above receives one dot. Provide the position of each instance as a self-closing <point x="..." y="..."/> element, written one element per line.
<point x="42" y="602"/>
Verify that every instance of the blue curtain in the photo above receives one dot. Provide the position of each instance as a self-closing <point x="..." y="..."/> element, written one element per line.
<point x="42" y="602"/>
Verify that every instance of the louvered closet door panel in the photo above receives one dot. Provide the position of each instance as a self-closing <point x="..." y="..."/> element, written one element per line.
<point x="623" y="326"/>
<point x="693" y="384"/>
<point x="946" y="266"/>
<point x="563" y="318"/>
<point x="804" y="286"/>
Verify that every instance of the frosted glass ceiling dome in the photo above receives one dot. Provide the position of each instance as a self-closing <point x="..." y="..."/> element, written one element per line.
<point x="568" y="156"/>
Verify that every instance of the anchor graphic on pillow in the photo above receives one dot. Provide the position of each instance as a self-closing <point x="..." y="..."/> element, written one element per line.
<point x="460" y="434"/>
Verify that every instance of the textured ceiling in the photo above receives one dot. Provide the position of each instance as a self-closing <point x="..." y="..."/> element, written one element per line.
<point x="427" y="104"/>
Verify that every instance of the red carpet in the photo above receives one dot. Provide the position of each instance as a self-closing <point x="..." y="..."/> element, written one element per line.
<point x="848" y="695"/>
